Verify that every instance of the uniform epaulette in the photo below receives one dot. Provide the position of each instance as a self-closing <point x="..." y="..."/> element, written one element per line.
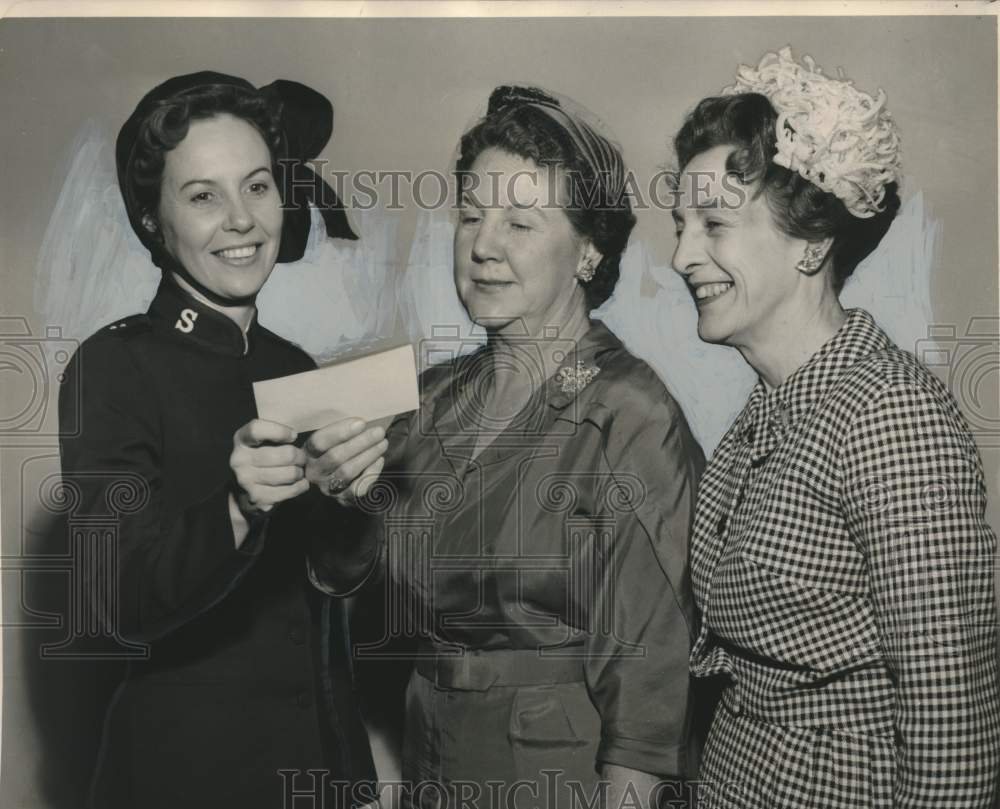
<point x="133" y="324"/>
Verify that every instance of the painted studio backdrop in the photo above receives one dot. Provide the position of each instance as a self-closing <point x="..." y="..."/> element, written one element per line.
<point x="403" y="91"/>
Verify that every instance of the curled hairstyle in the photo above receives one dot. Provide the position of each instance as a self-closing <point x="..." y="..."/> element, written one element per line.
<point x="517" y="123"/>
<point x="746" y="122"/>
<point x="167" y="125"/>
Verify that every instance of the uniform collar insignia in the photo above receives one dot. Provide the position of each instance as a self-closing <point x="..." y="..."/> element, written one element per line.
<point x="188" y="318"/>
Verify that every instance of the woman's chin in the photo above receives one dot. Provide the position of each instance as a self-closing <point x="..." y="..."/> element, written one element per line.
<point x="490" y="320"/>
<point x="711" y="333"/>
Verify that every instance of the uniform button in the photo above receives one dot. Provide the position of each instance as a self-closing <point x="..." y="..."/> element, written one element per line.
<point x="303" y="700"/>
<point x="297" y="636"/>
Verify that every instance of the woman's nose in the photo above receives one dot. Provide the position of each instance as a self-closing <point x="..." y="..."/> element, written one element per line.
<point x="688" y="254"/>
<point x="486" y="246"/>
<point x="238" y="216"/>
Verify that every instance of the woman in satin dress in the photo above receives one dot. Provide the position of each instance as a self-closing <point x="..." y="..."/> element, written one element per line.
<point x="531" y="518"/>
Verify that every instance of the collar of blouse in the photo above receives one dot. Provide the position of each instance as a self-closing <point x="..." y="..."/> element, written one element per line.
<point x="768" y="415"/>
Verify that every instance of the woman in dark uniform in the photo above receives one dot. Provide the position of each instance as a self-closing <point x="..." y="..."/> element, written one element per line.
<point x="535" y="511"/>
<point x="246" y="685"/>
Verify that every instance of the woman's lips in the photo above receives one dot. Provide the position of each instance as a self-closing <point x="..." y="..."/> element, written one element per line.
<point x="705" y="293"/>
<point x="237" y="255"/>
<point x="491" y="285"/>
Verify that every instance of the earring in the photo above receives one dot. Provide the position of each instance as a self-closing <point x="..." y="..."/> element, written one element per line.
<point x="586" y="272"/>
<point x="810" y="263"/>
<point x="149" y="223"/>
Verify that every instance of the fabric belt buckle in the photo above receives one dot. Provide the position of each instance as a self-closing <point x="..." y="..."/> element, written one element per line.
<point x="464" y="670"/>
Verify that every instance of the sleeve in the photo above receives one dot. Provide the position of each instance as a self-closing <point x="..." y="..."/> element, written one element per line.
<point x="347" y="545"/>
<point x="169" y="566"/>
<point x="915" y="504"/>
<point x="637" y="659"/>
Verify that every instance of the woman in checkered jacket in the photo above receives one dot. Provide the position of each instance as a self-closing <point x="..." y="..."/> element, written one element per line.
<point x="840" y="555"/>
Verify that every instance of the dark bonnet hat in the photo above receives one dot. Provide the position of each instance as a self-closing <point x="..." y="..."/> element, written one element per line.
<point x="305" y="119"/>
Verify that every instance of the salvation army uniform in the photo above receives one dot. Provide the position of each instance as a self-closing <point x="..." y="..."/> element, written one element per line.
<point x="247" y="672"/>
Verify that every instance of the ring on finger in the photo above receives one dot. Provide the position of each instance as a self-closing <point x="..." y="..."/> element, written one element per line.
<point x="335" y="484"/>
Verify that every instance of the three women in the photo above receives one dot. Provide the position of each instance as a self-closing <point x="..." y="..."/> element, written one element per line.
<point x="534" y="513"/>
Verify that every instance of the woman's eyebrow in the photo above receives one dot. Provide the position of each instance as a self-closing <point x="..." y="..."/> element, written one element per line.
<point x="468" y="199"/>
<point x="535" y="208"/>
<point x="197" y="181"/>
<point x="257" y="171"/>
<point x="708" y="204"/>
<point x="204" y="181"/>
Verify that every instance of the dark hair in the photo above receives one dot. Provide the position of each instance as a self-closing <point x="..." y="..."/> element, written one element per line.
<point x="167" y="125"/>
<point x="514" y="126"/>
<point x="799" y="208"/>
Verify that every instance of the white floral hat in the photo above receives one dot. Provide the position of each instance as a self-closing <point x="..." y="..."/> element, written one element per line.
<point x="835" y="136"/>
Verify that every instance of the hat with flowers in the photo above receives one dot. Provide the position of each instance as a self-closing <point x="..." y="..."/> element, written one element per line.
<point x="834" y="135"/>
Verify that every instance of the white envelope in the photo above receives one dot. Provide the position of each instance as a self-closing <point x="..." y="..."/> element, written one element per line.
<point x="373" y="387"/>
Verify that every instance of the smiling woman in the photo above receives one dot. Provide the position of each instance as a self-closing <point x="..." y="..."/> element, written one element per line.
<point x="849" y="615"/>
<point x="221" y="222"/>
<point x="732" y="258"/>
<point x="246" y="683"/>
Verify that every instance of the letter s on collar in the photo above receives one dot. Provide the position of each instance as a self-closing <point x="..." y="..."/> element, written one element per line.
<point x="185" y="322"/>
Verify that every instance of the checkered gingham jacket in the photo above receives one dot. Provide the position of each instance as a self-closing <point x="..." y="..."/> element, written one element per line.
<point x="844" y="570"/>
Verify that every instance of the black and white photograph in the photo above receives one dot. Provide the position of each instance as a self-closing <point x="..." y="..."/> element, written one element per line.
<point x="502" y="405"/>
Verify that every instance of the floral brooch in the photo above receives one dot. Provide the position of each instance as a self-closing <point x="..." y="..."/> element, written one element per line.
<point x="573" y="380"/>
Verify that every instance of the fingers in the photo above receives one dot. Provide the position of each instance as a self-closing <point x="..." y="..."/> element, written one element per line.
<point x="279" y="475"/>
<point x="287" y="455"/>
<point x="346" y="462"/>
<point x="332" y="435"/>
<point x="267" y="467"/>
<point x="367" y="478"/>
<point x="362" y="484"/>
<point x="352" y="469"/>
<point x="259" y="431"/>
<point x="348" y="454"/>
<point x="265" y="497"/>
<point x="341" y="454"/>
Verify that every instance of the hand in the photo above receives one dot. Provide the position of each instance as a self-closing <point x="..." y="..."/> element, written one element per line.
<point x="345" y="458"/>
<point x="267" y="466"/>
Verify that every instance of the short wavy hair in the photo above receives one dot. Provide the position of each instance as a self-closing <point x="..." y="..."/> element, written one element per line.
<point x="746" y="122"/>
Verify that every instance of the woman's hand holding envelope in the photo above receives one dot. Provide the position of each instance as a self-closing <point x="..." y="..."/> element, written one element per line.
<point x="268" y="467"/>
<point x="345" y="458"/>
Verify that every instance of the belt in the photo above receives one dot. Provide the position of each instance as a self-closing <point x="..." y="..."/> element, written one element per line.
<point x="479" y="669"/>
